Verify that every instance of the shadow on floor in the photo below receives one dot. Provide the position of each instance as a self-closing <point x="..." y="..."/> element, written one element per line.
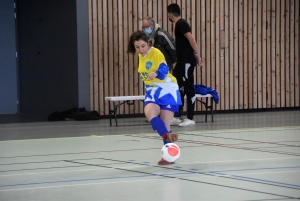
<point x="22" y="118"/>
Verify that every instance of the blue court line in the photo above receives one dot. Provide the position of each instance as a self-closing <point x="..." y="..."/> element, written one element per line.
<point x="180" y="173"/>
<point x="261" y="180"/>
<point x="92" y="179"/>
<point x="254" y="179"/>
<point x="240" y="170"/>
<point x="267" y="181"/>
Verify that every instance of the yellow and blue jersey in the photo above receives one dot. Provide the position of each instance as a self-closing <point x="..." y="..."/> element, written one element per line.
<point x="163" y="89"/>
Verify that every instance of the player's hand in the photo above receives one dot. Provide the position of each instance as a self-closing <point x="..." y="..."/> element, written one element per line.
<point x="198" y="58"/>
<point x="152" y="75"/>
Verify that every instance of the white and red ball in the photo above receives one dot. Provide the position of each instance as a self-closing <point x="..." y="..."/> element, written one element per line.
<point x="170" y="152"/>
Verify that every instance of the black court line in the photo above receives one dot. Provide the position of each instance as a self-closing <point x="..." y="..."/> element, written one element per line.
<point x="272" y="199"/>
<point x="184" y="179"/>
<point x="129" y="162"/>
<point x="201" y="173"/>
<point x="45" y="168"/>
<point x="40" y="162"/>
<point x="237" y="139"/>
<point x="239" y="130"/>
<point x="221" y="145"/>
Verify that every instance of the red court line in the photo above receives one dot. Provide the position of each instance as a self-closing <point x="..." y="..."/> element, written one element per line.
<point x="181" y="140"/>
<point x="92" y="152"/>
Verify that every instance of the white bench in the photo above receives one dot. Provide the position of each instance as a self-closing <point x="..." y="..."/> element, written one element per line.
<point x="126" y="99"/>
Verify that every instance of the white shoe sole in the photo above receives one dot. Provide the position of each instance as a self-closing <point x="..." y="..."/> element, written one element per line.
<point x="186" y="125"/>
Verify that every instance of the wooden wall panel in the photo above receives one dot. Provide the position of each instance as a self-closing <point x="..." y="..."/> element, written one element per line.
<point x="292" y="53"/>
<point x="287" y="54"/>
<point x="217" y="81"/>
<point x="226" y="56"/>
<point x="282" y="55"/>
<point x="231" y="55"/>
<point x="264" y="55"/>
<point x="246" y="56"/>
<point x="240" y="71"/>
<point x="269" y="55"/>
<point x="198" y="35"/>
<point x="258" y="66"/>
<point x="278" y="53"/>
<point x="297" y="55"/>
<point x="221" y="66"/>
<point x="273" y="52"/>
<point x="250" y="54"/>
<point x="259" y="54"/>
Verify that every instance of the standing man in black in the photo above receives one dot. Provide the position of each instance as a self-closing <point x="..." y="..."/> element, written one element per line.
<point x="188" y="57"/>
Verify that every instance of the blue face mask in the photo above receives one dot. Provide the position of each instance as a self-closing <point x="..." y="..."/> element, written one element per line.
<point x="148" y="30"/>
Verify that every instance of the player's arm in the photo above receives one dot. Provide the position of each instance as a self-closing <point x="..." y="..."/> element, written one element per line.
<point x="160" y="73"/>
<point x="194" y="45"/>
<point x="162" y="68"/>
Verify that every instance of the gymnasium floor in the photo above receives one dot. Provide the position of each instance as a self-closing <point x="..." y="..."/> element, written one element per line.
<point x="243" y="157"/>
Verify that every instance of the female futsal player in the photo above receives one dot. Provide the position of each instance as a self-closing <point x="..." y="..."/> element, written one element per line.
<point x="162" y="98"/>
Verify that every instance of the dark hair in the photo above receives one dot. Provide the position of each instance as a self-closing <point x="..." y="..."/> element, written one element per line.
<point x="174" y="9"/>
<point x="136" y="36"/>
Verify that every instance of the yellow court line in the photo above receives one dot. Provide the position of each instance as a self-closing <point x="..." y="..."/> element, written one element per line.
<point x="58" y="138"/>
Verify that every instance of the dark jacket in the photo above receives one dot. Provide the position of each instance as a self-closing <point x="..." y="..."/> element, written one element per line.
<point x="166" y="44"/>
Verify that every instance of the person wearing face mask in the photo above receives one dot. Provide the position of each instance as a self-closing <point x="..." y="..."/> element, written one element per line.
<point x="161" y="40"/>
<point x="188" y="57"/>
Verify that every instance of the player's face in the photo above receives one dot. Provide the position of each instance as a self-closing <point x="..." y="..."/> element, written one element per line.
<point x="141" y="47"/>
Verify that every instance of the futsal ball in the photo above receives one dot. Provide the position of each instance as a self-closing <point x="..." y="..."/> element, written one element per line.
<point x="170" y="152"/>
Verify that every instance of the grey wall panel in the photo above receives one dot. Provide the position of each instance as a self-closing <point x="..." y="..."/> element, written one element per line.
<point x="83" y="54"/>
<point x="8" y="67"/>
<point x="48" y="55"/>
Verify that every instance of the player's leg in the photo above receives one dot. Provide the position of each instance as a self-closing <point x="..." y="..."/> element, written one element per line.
<point x="167" y="115"/>
<point x="152" y="112"/>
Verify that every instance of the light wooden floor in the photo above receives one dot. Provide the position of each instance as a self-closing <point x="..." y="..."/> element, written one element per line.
<point x="245" y="156"/>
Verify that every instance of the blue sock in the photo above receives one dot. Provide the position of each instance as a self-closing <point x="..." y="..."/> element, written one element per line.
<point x="159" y="126"/>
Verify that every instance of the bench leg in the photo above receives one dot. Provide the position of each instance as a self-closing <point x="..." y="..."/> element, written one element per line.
<point x="212" y="109"/>
<point x="110" y="114"/>
<point x="115" y="113"/>
<point x="206" y="107"/>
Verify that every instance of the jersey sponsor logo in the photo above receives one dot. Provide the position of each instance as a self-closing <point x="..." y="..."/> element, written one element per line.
<point x="168" y="106"/>
<point x="148" y="65"/>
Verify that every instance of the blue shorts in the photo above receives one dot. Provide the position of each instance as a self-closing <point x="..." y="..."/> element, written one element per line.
<point x="173" y="108"/>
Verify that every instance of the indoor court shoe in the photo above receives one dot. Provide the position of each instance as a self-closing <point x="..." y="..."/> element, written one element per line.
<point x="170" y="137"/>
<point x="187" y="122"/>
<point x="163" y="162"/>
<point x="175" y="121"/>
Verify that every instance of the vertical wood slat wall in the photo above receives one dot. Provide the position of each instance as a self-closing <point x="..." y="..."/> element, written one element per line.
<point x="258" y="67"/>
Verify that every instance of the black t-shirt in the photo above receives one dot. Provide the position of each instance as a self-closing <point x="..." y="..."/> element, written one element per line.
<point x="184" y="51"/>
